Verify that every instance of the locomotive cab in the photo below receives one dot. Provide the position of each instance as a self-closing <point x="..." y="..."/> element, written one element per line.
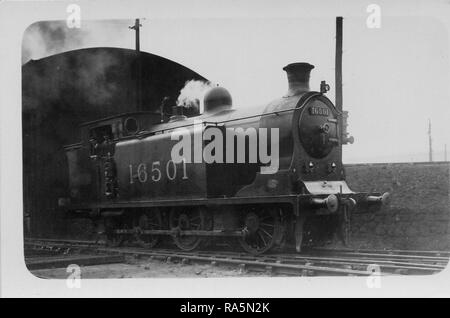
<point x="92" y="168"/>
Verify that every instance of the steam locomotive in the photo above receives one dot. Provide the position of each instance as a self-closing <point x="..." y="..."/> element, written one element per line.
<point x="123" y="174"/>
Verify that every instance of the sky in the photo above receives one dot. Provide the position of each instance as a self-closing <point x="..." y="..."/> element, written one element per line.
<point x="395" y="77"/>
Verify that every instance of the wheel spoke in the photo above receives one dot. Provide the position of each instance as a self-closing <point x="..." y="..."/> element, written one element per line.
<point x="265" y="232"/>
<point x="262" y="225"/>
<point x="193" y="220"/>
<point x="262" y="238"/>
<point x="149" y="221"/>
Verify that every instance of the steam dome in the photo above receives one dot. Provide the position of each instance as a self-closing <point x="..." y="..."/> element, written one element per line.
<point x="217" y="98"/>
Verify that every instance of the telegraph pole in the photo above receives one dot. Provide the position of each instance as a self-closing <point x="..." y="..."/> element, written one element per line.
<point x="430" y="145"/>
<point x="136" y="27"/>
<point x="338" y="64"/>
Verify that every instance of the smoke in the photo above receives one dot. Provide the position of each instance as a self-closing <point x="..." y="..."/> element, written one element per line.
<point x="95" y="77"/>
<point x="89" y="76"/>
<point x="191" y="95"/>
<point x="45" y="38"/>
<point x="50" y="37"/>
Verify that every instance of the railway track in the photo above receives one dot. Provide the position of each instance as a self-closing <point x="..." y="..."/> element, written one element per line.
<point x="314" y="262"/>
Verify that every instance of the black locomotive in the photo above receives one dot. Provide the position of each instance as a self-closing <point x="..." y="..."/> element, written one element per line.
<point x="123" y="174"/>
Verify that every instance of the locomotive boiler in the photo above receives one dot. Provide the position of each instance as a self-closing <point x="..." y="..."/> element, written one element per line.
<point x="123" y="172"/>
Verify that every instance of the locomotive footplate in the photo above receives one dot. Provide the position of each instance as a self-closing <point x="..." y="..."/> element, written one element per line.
<point x="300" y="202"/>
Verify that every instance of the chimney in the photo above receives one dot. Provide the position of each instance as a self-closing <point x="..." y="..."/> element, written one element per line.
<point x="298" y="77"/>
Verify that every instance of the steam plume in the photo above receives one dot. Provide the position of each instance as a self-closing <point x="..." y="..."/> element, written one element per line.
<point x="191" y="95"/>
